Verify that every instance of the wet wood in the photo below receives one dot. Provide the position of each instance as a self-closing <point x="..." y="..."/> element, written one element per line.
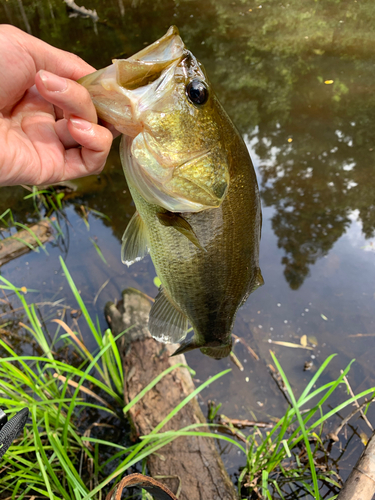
<point x="189" y="464"/>
<point x="20" y="243"/>
<point x="360" y="485"/>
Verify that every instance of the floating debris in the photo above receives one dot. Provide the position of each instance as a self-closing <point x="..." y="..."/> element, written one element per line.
<point x="308" y="365"/>
<point x="289" y="344"/>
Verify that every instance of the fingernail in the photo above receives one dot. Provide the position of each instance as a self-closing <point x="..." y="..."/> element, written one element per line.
<point x="52" y="82"/>
<point x="80" y="124"/>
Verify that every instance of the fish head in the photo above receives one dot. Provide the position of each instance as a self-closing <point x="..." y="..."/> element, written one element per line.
<point x="162" y="101"/>
<point x="214" y="349"/>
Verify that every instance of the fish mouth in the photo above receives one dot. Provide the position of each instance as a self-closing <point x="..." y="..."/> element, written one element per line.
<point x="117" y="90"/>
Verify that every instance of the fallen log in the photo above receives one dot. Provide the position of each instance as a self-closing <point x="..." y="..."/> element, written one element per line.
<point x="360" y="484"/>
<point x="191" y="464"/>
<point x="24" y="241"/>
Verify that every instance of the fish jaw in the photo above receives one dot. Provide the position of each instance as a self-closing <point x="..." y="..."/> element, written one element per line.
<point x="112" y="103"/>
<point x="167" y="48"/>
<point x="117" y="90"/>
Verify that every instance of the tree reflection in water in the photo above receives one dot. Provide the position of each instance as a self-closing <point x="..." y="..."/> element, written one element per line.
<point x="296" y="77"/>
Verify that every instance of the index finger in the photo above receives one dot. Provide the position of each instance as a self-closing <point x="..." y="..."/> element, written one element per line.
<point x="22" y="56"/>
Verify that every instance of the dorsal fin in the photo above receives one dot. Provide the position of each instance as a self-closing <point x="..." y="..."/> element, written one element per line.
<point x="166" y="323"/>
<point x="135" y="241"/>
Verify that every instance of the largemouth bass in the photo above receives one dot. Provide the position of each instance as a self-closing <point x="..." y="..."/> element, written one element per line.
<point x="194" y="187"/>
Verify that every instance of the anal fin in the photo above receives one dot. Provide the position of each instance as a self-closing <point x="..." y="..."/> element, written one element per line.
<point x="166" y="323"/>
<point x="135" y="241"/>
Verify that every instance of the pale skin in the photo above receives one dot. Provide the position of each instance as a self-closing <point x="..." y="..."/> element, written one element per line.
<point x="49" y="128"/>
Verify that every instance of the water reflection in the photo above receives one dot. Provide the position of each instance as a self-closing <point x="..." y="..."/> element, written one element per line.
<point x="297" y="78"/>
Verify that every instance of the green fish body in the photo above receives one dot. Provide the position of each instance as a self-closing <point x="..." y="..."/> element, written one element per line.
<point x="194" y="187"/>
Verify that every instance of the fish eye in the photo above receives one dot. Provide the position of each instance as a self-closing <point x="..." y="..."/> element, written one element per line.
<point x="197" y="92"/>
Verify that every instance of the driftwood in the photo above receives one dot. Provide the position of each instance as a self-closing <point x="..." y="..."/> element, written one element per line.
<point x="191" y="464"/>
<point x="360" y="485"/>
<point x="23" y="241"/>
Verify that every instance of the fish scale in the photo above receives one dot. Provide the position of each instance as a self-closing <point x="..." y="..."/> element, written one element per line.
<point x="208" y="287"/>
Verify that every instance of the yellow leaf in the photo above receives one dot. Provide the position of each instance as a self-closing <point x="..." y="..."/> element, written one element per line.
<point x="364" y="438"/>
<point x="289" y="344"/>
<point x="312" y="340"/>
<point x="324" y="317"/>
<point x="328" y="82"/>
<point x="303" y="340"/>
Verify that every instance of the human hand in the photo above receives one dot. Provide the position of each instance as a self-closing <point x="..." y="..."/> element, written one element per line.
<point x="45" y="116"/>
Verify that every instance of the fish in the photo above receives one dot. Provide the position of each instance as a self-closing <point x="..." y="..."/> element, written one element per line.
<point x="196" y="195"/>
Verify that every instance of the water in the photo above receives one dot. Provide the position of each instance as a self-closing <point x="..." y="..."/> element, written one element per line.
<point x="297" y="79"/>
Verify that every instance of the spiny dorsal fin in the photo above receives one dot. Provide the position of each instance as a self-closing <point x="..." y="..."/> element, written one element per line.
<point x="166" y="323"/>
<point x="135" y="241"/>
<point x="170" y="219"/>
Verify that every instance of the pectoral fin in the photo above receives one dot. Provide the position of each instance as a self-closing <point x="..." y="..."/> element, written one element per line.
<point x="170" y="219"/>
<point x="135" y="241"/>
<point x="166" y="323"/>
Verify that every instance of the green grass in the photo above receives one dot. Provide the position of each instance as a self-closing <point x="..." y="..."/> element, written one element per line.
<point x="54" y="458"/>
<point x="272" y="464"/>
<point x="66" y="385"/>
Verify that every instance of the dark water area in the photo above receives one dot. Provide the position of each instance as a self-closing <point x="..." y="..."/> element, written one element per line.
<point x="297" y="79"/>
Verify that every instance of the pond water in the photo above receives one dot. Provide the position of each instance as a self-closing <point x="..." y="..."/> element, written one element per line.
<point x="297" y="78"/>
